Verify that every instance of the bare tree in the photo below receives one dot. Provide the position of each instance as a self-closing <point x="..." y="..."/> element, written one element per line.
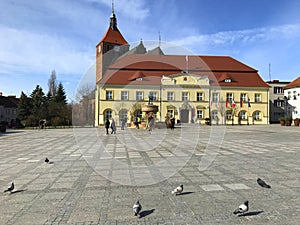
<point x="52" y="83"/>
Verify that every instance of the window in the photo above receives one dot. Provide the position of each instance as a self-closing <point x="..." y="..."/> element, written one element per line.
<point x="229" y="97"/>
<point x="199" y="114"/>
<point x="124" y="95"/>
<point x="278" y="103"/>
<point x="243" y="97"/>
<point x="257" y="97"/>
<point x="171" y="112"/>
<point x="109" y="95"/>
<point x="228" y="115"/>
<point x="170" y="96"/>
<point x="185" y="96"/>
<point x="214" y="115"/>
<point x="139" y="95"/>
<point x="243" y="115"/>
<point x="108" y="114"/>
<point x="278" y="90"/>
<point x="153" y="94"/>
<point x="215" y="97"/>
<point x="227" y="80"/>
<point x="123" y="114"/>
<point x="256" y="115"/>
<point x="199" y="96"/>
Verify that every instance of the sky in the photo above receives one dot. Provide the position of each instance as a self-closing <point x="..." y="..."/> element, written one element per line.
<point x="37" y="37"/>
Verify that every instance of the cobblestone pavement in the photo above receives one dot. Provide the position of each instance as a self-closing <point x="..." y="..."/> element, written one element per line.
<point x="71" y="190"/>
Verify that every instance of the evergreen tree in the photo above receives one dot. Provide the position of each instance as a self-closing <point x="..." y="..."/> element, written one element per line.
<point x="24" y="107"/>
<point x="38" y="100"/>
<point x="60" y="96"/>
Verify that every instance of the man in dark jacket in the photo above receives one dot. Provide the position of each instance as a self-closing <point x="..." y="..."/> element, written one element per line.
<point x="107" y="123"/>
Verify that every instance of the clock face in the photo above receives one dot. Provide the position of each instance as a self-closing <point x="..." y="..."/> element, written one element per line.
<point x="117" y="48"/>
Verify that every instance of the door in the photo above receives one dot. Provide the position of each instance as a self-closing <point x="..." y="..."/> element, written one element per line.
<point x="184" y="116"/>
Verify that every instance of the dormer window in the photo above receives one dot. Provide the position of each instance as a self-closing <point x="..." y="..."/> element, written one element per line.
<point x="139" y="78"/>
<point x="185" y="78"/>
<point x="228" y="80"/>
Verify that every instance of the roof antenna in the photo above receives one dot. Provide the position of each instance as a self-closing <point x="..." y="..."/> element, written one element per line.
<point x="112" y="6"/>
<point x="270" y="71"/>
<point x="159" y="39"/>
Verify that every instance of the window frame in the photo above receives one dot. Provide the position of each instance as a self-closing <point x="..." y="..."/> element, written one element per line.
<point x="109" y="95"/>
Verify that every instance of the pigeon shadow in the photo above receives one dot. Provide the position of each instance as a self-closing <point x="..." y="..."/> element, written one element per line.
<point x="251" y="213"/>
<point x="186" y="193"/>
<point x="146" y="212"/>
<point x="15" y="192"/>
<point x="50" y="162"/>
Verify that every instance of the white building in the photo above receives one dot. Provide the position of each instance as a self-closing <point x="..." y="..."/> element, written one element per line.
<point x="292" y="94"/>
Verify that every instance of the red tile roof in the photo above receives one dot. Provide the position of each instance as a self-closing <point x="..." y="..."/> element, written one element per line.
<point x="114" y="37"/>
<point x="217" y="68"/>
<point x="293" y="84"/>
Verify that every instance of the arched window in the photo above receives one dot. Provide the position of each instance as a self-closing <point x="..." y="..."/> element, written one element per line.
<point x="123" y="114"/>
<point x="108" y="114"/>
<point x="243" y="115"/>
<point x="257" y="115"/>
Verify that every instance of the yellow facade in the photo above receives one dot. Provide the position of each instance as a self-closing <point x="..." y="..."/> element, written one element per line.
<point x="187" y="97"/>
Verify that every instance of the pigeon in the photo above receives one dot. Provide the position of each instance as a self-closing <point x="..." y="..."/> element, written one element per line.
<point x="137" y="207"/>
<point x="10" y="188"/>
<point x="47" y="160"/>
<point x="242" y="208"/>
<point x="178" y="190"/>
<point x="262" y="183"/>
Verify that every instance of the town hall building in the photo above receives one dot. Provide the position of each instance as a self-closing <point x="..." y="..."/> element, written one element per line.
<point x="193" y="89"/>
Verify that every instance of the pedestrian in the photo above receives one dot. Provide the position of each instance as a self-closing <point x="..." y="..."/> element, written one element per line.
<point x="136" y="122"/>
<point x="172" y="123"/>
<point x="107" y="123"/>
<point x="151" y="123"/>
<point x="123" y="123"/>
<point x="113" y="127"/>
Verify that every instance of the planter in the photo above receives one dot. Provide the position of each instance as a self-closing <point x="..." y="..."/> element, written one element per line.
<point x="282" y="122"/>
<point x="289" y="123"/>
<point x="296" y="122"/>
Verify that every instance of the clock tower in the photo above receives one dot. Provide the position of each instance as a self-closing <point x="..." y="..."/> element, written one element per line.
<point x="111" y="46"/>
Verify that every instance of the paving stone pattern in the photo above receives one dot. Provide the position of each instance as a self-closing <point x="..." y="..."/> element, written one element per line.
<point x="70" y="191"/>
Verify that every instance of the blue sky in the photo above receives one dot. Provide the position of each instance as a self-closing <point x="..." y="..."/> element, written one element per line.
<point x="39" y="36"/>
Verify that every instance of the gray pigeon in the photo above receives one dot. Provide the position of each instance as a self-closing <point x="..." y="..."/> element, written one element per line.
<point x="10" y="188"/>
<point x="262" y="183"/>
<point x="137" y="207"/>
<point x="178" y="190"/>
<point x="242" y="208"/>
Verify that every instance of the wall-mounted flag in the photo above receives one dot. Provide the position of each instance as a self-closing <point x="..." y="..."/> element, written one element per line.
<point x="233" y="103"/>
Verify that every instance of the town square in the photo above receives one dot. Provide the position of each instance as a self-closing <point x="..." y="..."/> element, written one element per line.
<point x="71" y="190"/>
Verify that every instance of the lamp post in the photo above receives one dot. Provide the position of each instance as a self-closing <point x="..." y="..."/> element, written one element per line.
<point x="285" y="109"/>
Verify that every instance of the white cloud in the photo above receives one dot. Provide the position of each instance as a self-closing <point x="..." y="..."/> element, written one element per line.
<point x="25" y="51"/>
<point x="240" y="37"/>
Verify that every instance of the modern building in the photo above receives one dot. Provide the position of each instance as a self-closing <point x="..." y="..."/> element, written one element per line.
<point x="190" y="88"/>
<point x="292" y="95"/>
<point x="277" y="103"/>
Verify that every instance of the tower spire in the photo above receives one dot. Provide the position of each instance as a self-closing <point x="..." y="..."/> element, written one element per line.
<point x="159" y="39"/>
<point x="113" y="18"/>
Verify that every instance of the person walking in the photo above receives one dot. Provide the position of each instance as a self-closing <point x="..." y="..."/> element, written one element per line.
<point x="123" y="123"/>
<point x="113" y="126"/>
<point x="107" y="123"/>
<point x="172" y="123"/>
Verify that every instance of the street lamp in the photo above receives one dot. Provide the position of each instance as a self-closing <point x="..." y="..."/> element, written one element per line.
<point x="285" y="109"/>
